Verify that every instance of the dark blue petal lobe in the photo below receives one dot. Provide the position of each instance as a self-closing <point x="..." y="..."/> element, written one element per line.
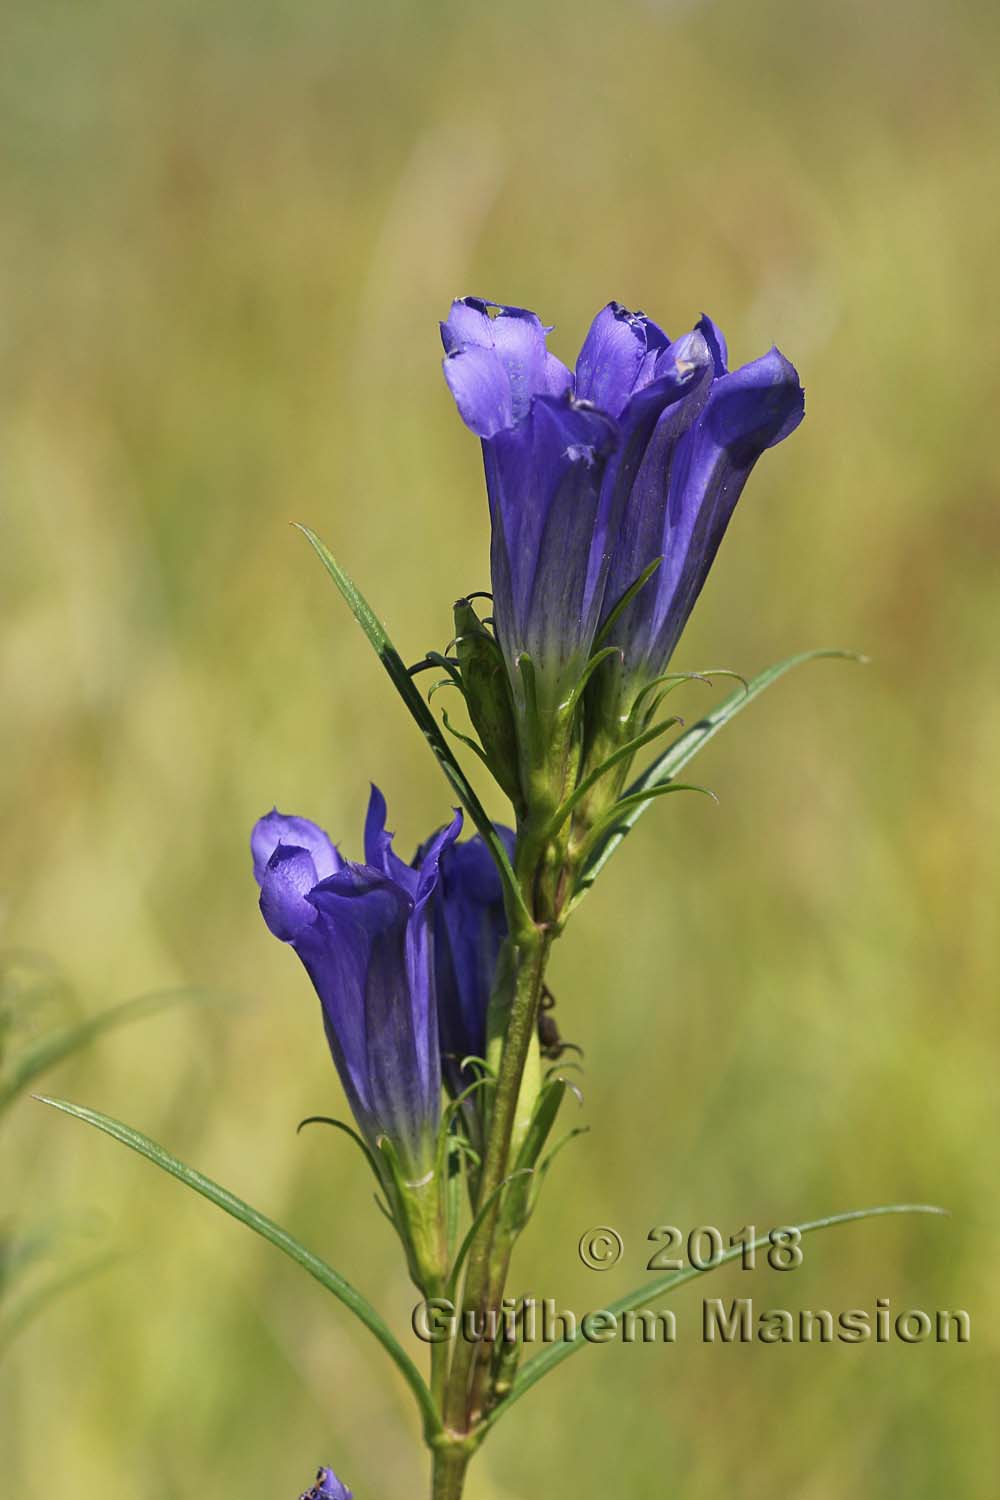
<point x="379" y="853"/>
<point x="617" y="358"/>
<point x="716" y="341"/>
<point x="747" y="412"/>
<point x="470" y="929"/>
<point x="287" y="881"/>
<point x="681" y="390"/>
<point x="277" y="828"/>
<point x="496" y="365"/>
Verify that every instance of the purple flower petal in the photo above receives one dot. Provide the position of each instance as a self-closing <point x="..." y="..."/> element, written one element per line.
<point x="617" y="358"/>
<point x="716" y="341"/>
<point x="687" y="372"/>
<point x="496" y="365"/>
<point x="550" y="533"/>
<point x="747" y="412"/>
<point x="379" y="853"/>
<point x="287" y="881"/>
<point x="470" y="928"/>
<point x="276" y="828"/>
<point x="692" y="474"/>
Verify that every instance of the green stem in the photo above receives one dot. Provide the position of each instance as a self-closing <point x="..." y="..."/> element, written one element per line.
<point x="482" y="1369"/>
<point x="448" y="1473"/>
<point x="439" y="1373"/>
<point x="465" y="1396"/>
<point x="532" y="950"/>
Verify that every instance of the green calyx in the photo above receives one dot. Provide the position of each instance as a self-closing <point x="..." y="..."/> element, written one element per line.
<point x="419" y="1215"/>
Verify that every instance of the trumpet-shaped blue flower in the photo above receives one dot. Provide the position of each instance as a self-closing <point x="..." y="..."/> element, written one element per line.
<point x="640" y="454"/>
<point x="365" y="933"/>
<point x="561" y="452"/>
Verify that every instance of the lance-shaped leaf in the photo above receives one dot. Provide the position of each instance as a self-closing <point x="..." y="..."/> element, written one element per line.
<point x="618" y="609"/>
<point x="451" y="1289"/>
<point x="268" y="1230"/>
<point x="554" y="1354"/>
<point x="624" y="752"/>
<point x="409" y="692"/>
<point x="684" y="749"/>
<point x="521" y="1200"/>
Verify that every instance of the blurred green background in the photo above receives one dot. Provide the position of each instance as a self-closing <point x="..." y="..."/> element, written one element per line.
<point x="228" y="233"/>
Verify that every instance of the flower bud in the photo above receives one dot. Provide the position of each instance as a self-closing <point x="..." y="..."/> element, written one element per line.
<point x="488" y="697"/>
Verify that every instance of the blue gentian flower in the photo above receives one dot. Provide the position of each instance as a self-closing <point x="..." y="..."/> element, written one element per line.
<point x="561" y="453"/>
<point x="365" y="933"/>
<point x="641" y="454"/>
<point x="470" y="929"/>
<point x="683" y="495"/>
<point x="328" y="1487"/>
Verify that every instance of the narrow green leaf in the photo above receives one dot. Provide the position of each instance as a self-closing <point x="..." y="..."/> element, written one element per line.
<point x="451" y="1113"/>
<point x="521" y="1201"/>
<point x="480" y="1062"/>
<point x="59" y="1045"/>
<point x="351" y="1134"/>
<point x="624" y="752"/>
<point x="674" y="680"/>
<point x="543" y="1118"/>
<point x="436" y="687"/>
<point x="419" y="711"/>
<point x="452" y="1199"/>
<point x="268" y="1230"/>
<point x="465" y="739"/>
<point x="473" y="1229"/>
<point x="529" y="679"/>
<point x="554" y="1354"/>
<point x="593" y="663"/>
<point x="625" y="811"/>
<point x="447" y="665"/>
<point x="623" y="603"/>
<point x="562" y="1142"/>
<point x="687" y="745"/>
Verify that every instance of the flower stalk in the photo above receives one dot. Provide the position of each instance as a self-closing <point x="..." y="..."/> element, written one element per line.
<point x="481" y="1294"/>
<point x="448" y="1468"/>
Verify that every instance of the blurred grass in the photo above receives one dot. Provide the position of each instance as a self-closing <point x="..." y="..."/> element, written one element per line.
<point x="228" y="233"/>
